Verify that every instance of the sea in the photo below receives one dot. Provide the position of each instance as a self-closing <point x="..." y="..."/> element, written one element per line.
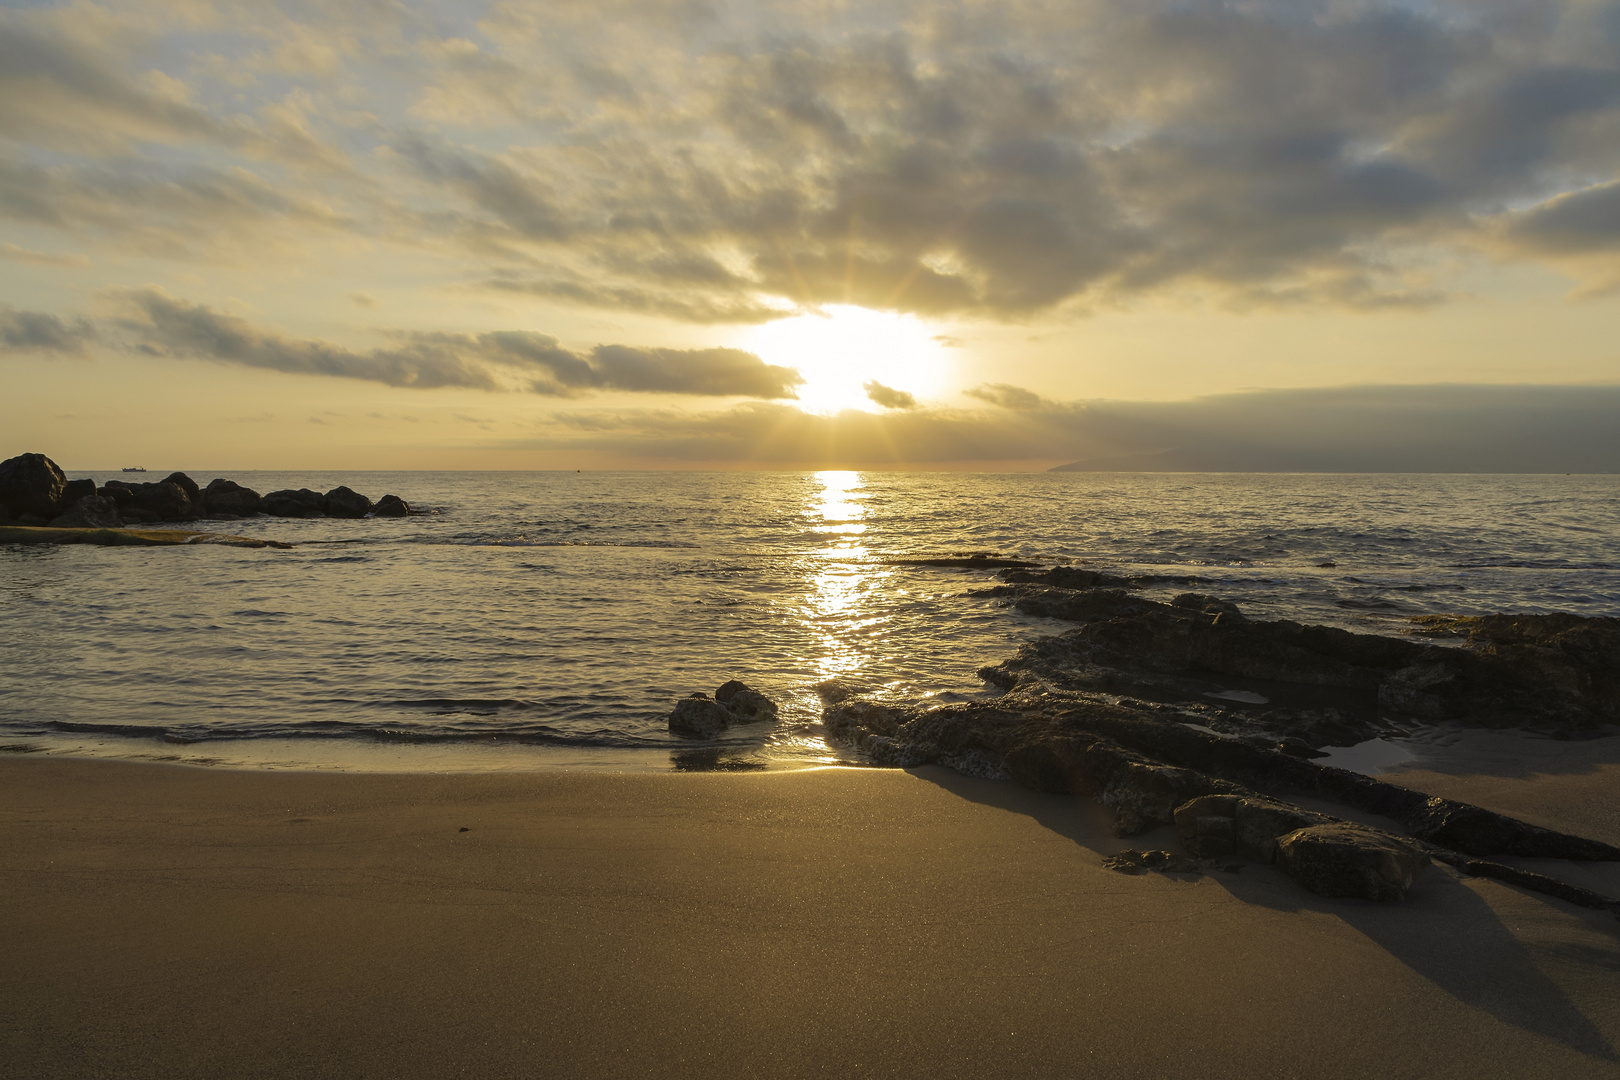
<point x="529" y="620"/>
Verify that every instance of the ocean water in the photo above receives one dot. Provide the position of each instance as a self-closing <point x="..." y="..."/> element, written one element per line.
<point x="552" y="619"/>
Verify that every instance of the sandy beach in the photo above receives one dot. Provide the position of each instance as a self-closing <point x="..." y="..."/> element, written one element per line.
<point x="179" y="922"/>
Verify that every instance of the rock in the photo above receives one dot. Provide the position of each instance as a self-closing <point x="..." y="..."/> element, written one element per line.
<point x="228" y="497"/>
<point x="1246" y="826"/>
<point x="89" y="512"/>
<point x="32" y="484"/>
<point x="301" y="503"/>
<point x="391" y="506"/>
<point x="1345" y="860"/>
<point x="343" y="502"/>
<point x="185" y="484"/>
<point x="746" y="703"/>
<point x="76" y="490"/>
<point x="1558" y="673"/>
<point x="1131" y="861"/>
<point x="162" y="501"/>
<point x="699" y="716"/>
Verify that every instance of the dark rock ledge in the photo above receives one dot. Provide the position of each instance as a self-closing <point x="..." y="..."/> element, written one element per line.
<point x="34" y="492"/>
<point x="1132" y="707"/>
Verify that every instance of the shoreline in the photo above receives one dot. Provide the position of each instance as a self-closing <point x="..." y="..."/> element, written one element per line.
<point x="185" y="922"/>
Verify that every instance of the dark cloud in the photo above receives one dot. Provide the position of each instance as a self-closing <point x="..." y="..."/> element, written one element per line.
<point x="888" y="396"/>
<point x="1578" y="222"/>
<point x="1007" y="396"/>
<point x="39" y="331"/>
<point x="1368" y="429"/>
<point x="706" y="163"/>
<point x="158" y="323"/>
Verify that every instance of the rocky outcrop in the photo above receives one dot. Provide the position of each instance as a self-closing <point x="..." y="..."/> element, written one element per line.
<point x="1226" y="796"/>
<point x="34" y="492"/>
<point x="1318" y="685"/>
<point x="296" y="503"/>
<point x="187" y="485"/>
<point x="223" y="496"/>
<point x="702" y="717"/>
<point x="31" y="484"/>
<point x="89" y="512"/>
<point x="76" y="490"/>
<point x="162" y="501"/>
<point x="344" y="502"/>
<point x="391" y="506"/>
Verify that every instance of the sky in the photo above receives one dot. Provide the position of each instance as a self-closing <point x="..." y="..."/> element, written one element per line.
<point x="1301" y="234"/>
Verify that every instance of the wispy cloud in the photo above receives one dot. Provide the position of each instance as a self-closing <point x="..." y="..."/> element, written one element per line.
<point x="160" y="324"/>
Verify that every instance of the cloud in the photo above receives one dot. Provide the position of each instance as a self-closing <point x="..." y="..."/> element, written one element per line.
<point x="159" y="324"/>
<point x="888" y="396"/>
<point x="39" y="331"/>
<point x="1006" y="396"/>
<point x="40" y="258"/>
<point x="716" y="163"/>
<point x="1462" y="428"/>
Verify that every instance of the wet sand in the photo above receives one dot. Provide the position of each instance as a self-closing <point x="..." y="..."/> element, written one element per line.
<point x="175" y="922"/>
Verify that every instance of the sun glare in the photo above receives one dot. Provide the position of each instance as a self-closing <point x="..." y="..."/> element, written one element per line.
<point x="843" y="349"/>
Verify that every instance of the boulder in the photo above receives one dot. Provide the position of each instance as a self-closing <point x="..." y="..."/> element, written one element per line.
<point x="301" y="503"/>
<point x="1345" y="860"/>
<point x="163" y="501"/>
<point x="700" y="716"/>
<point x="185" y="484"/>
<point x="746" y="703"/>
<point x="167" y="500"/>
<point x="89" y="512"/>
<point x="391" y="506"/>
<point x="1247" y="826"/>
<point x="344" y="502"/>
<point x="76" y="490"/>
<point x="228" y="497"/>
<point x="32" y="484"/>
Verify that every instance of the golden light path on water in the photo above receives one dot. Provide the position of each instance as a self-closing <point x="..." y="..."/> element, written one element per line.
<point x="836" y="606"/>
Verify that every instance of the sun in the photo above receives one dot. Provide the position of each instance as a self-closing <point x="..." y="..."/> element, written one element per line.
<point x="841" y="350"/>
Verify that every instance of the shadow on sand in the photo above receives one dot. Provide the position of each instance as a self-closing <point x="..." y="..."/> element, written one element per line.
<point x="1444" y="931"/>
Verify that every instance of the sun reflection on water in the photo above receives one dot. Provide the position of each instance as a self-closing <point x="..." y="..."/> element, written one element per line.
<point x="842" y="624"/>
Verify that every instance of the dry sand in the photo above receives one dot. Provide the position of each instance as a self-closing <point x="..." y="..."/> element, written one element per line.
<point x="174" y="922"/>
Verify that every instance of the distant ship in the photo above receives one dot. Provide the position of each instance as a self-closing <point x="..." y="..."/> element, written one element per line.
<point x="133" y="468"/>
